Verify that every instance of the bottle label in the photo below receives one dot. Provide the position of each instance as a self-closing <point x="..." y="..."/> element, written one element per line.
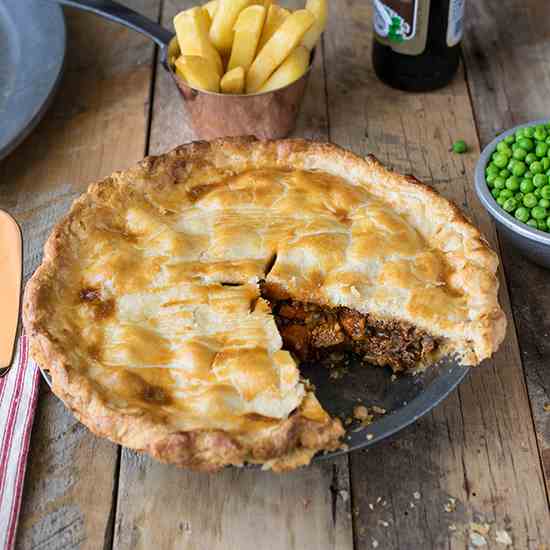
<point x="456" y="22"/>
<point x="402" y="24"/>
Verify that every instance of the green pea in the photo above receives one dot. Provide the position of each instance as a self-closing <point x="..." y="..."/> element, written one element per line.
<point x="526" y="143"/>
<point x="490" y="180"/>
<point x="495" y="193"/>
<point x="511" y="164"/>
<point x="540" y="133"/>
<point x="519" y="133"/>
<point x="500" y="160"/>
<point x="492" y="169"/>
<point x="504" y="173"/>
<point x="519" y="196"/>
<point x="530" y="200"/>
<point x="541" y="149"/>
<point x="529" y="132"/>
<point x="519" y="153"/>
<point x="526" y="186"/>
<point x="501" y="200"/>
<point x="460" y="147"/>
<point x="545" y="163"/>
<point x="522" y="214"/>
<point x="510" y="204"/>
<point x="514" y="147"/>
<point x="545" y="192"/>
<point x="531" y="157"/>
<point x="545" y="203"/>
<point x="506" y="193"/>
<point x="537" y="194"/>
<point x="509" y="139"/>
<point x="536" y="167"/>
<point x="513" y="183"/>
<point x="542" y="225"/>
<point x="547" y="141"/>
<point x="528" y="175"/>
<point x="539" y="212"/>
<point x="532" y="223"/>
<point x="503" y="147"/>
<point x="499" y="183"/>
<point x="540" y="180"/>
<point x="519" y="168"/>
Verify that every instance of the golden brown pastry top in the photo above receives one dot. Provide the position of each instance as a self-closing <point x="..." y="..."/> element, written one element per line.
<point x="148" y="295"/>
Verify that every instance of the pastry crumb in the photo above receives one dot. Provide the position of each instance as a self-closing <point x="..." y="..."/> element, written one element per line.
<point x="502" y="537"/>
<point x="378" y="410"/>
<point x="360" y="412"/>
<point x="452" y="527"/>
<point x="546" y="407"/>
<point x="416" y="495"/>
<point x="450" y="505"/>
<point x="369" y="437"/>
<point x="374" y="543"/>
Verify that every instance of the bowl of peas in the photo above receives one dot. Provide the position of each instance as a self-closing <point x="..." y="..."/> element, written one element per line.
<point x="512" y="181"/>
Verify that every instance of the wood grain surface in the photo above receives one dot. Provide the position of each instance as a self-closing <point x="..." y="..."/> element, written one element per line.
<point x="509" y="81"/>
<point x="97" y="124"/>
<point x="478" y="447"/>
<point x="236" y="509"/>
<point x="471" y="467"/>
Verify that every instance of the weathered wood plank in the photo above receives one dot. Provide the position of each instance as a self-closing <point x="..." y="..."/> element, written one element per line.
<point x="98" y="123"/>
<point x="479" y="446"/>
<point x="509" y="81"/>
<point x="235" y="509"/>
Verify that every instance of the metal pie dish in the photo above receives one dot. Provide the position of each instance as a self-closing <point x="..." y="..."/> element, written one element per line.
<point x="530" y="242"/>
<point x="406" y="398"/>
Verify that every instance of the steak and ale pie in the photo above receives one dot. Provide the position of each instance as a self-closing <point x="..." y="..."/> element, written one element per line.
<point x="177" y="299"/>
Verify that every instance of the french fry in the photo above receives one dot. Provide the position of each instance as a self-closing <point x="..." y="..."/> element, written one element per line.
<point x="192" y="32"/>
<point x="211" y="8"/>
<point x="173" y="51"/>
<point x="233" y="81"/>
<point x="277" y="48"/>
<point x="319" y="9"/>
<point x="291" y="69"/>
<point x="221" y="31"/>
<point x="248" y="28"/>
<point x="198" y="72"/>
<point x="274" y="19"/>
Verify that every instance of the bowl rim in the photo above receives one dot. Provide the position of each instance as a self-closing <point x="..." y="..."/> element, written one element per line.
<point x="489" y="201"/>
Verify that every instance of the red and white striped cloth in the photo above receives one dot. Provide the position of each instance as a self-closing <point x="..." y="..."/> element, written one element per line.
<point x="18" y="392"/>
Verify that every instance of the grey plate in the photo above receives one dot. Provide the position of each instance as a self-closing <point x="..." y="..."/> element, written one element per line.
<point x="32" y="51"/>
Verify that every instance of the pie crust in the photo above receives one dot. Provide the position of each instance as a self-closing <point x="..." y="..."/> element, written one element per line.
<point x="147" y="310"/>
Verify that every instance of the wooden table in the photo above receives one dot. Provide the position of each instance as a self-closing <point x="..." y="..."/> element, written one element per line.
<point x="487" y="445"/>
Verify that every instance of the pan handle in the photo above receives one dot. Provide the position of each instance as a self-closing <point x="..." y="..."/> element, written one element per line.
<point x="113" y="11"/>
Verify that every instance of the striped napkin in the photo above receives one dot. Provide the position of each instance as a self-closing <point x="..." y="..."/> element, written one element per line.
<point x="18" y="392"/>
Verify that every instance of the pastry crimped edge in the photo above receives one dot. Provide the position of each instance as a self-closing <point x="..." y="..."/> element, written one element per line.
<point x="298" y="438"/>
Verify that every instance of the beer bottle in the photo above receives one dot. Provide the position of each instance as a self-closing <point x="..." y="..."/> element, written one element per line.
<point x="417" y="42"/>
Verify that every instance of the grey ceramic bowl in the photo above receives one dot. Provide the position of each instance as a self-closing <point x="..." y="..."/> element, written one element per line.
<point x="532" y="243"/>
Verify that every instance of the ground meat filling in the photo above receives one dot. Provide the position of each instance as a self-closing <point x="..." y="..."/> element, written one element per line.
<point x="312" y="332"/>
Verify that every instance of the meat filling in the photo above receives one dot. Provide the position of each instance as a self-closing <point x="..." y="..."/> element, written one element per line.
<point x="312" y="332"/>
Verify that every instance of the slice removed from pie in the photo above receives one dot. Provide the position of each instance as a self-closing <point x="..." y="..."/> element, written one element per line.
<point x="176" y="300"/>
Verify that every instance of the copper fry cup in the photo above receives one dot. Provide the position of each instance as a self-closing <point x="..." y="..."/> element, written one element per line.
<point x="266" y="115"/>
